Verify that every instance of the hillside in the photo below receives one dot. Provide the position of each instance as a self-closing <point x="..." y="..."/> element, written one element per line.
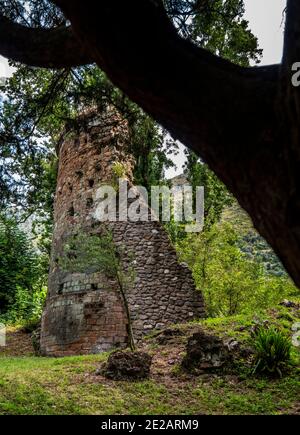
<point x="251" y="243"/>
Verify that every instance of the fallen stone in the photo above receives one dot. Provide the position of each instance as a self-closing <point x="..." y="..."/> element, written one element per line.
<point x="205" y="352"/>
<point x="168" y="335"/>
<point x="127" y="365"/>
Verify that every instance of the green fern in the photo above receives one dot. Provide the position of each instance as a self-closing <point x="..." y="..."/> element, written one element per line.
<point x="272" y="351"/>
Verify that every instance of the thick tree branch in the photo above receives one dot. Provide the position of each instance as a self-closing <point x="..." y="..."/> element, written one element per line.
<point x="234" y="118"/>
<point x="49" y="48"/>
<point x="244" y="122"/>
<point x="135" y="43"/>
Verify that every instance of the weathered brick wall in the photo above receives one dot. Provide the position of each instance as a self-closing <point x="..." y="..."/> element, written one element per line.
<point x="84" y="312"/>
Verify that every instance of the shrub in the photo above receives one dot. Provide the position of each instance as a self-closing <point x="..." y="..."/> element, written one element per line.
<point x="231" y="282"/>
<point x="26" y="309"/>
<point x="272" y="351"/>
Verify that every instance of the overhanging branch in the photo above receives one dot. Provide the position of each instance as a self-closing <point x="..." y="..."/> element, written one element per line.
<point x="244" y="122"/>
<point x="199" y="97"/>
<point x="48" y="48"/>
<point x="231" y="116"/>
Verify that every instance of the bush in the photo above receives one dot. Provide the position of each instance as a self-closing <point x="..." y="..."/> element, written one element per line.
<point x="26" y="309"/>
<point x="272" y="351"/>
<point x="231" y="282"/>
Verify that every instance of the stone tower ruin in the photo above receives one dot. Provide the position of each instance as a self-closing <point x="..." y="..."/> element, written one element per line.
<point x="84" y="312"/>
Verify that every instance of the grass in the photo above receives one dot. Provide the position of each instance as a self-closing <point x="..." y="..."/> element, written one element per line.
<point x="32" y="385"/>
<point x="250" y="396"/>
<point x="36" y="385"/>
<point x="50" y="386"/>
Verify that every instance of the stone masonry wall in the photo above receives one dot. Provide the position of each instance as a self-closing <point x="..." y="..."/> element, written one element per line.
<point x="84" y="312"/>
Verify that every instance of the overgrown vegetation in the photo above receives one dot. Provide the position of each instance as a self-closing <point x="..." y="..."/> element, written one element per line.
<point x="231" y="282"/>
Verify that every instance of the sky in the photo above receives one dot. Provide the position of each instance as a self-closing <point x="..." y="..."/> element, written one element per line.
<point x="5" y="69"/>
<point x="266" y="22"/>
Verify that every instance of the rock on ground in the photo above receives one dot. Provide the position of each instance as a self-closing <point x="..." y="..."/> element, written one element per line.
<point x="126" y="365"/>
<point x="205" y="352"/>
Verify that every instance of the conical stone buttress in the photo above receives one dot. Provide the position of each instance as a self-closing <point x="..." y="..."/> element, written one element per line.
<point x="84" y="312"/>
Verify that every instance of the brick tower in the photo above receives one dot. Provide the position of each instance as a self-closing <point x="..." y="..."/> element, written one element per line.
<point x="84" y="312"/>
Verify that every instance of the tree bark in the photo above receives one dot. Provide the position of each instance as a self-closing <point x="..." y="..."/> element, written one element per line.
<point x="244" y="122"/>
<point x="46" y="48"/>
<point x="234" y="118"/>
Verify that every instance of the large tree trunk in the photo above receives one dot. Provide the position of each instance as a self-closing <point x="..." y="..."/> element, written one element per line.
<point x="244" y="122"/>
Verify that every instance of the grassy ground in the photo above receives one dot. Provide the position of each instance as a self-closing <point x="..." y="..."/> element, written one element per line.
<point x="35" y="385"/>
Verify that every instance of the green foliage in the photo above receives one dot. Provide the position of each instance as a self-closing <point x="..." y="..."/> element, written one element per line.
<point x="272" y="351"/>
<point x="37" y="106"/>
<point x="223" y="30"/>
<point x="26" y="309"/>
<point x="231" y="282"/>
<point x="119" y="169"/>
<point x="218" y="26"/>
<point x="176" y="230"/>
<point x="19" y="268"/>
<point x="119" y="172"/>
<point x="30" y="122"/>
<point x="216" y="195"/>
<point x="152" y="148"/>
